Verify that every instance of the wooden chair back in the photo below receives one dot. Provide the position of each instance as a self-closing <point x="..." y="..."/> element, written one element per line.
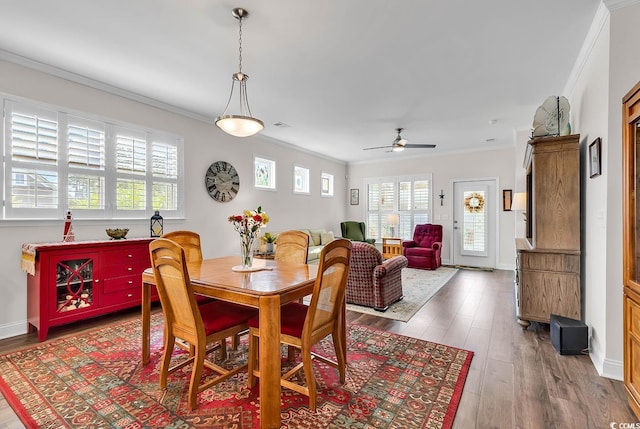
<point x="190" y="242"/>
<point x="174" y="287"/>
<point x="327" y="299"/>
<point x="292" y="246"/>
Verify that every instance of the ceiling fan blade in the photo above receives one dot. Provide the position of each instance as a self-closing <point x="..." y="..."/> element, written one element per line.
<point x="419" y="146"/>
<point x="378" y="147"/>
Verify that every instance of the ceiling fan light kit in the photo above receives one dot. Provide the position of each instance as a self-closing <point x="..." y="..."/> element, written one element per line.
<point x="400" y="144"/>
<point x="242" y="124"/>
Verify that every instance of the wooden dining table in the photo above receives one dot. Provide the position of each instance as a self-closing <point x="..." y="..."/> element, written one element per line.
<point x="272" y="285"/>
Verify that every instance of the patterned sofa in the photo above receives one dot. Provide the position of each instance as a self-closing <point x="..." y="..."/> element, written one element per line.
<point x="373" y="282"/>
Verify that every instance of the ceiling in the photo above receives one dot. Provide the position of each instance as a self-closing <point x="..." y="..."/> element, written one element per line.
<point x="342" y="75"/>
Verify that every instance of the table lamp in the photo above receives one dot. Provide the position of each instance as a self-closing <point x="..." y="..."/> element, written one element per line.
<point x="392" y="220"/>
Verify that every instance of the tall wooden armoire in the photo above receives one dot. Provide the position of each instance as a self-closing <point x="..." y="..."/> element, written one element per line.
<point x="548" y="259"/>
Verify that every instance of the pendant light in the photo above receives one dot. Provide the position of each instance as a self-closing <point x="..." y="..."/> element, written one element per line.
<point x="243" y="124"/>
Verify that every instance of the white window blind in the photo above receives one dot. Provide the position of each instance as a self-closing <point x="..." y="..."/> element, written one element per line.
<point x="409" y="197"/>
<point x="55" y="161"/>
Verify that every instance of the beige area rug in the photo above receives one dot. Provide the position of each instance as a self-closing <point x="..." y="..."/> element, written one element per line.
<point x="418" y="287"/>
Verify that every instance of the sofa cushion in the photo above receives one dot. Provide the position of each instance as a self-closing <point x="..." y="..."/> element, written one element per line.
<point x="315" y="235"/>
<point x="313" y="253"/>
<point x="326" y="238"/>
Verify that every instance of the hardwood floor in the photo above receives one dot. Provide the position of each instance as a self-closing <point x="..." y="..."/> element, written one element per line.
<point x="517" y="380"/>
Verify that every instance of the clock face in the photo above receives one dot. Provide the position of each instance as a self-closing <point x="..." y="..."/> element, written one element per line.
<point x="222" y="181"/>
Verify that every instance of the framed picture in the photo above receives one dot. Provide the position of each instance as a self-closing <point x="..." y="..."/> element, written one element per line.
<point x="507" y="196"/>
<point x="595" y="164"/>
<point x="355" y="197"/>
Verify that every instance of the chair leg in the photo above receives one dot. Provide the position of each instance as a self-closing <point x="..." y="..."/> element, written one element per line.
<point x="235" y="342"/>
<point x="169" y="342"/>
<point x="309" y="377"/>
<point x="196" y="374"/>
<point x="291" y="353"/>
<point x="253" y="358"/>
<point x="340" y="353"/>
<point x="223" y="349"/>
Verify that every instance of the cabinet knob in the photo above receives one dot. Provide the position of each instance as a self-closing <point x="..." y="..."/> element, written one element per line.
<point x="129" y="269"/>
<point x="129" y="295"/>
<point x="97" y="280"/>
<point x="129" y="256"/>
<point x="130" y="282"/>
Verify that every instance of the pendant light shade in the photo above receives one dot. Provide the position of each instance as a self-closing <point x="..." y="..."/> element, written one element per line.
<point x="242" y="124"/>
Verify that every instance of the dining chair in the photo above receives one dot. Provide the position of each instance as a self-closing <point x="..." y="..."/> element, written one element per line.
<point x="303" y="326"/>
<point x="189" y="241"/>
<point x="197" y="325"/>
<point x="292" y="246"/>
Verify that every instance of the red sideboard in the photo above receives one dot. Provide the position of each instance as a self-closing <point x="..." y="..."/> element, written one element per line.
<point x="79" y="280"/>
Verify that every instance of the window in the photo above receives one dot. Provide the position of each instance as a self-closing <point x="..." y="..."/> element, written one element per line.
<point x="326" y="185"/>
<point x="264" y="173"/>
<point x="57" y="162"/>
<point x="408" y="197"/>
<point x="300" y="180"/>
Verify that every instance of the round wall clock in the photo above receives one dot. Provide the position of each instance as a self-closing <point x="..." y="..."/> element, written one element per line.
<point x="222" y="181"/>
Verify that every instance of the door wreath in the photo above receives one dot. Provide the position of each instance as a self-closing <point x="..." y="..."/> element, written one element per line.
<point x="474" y="203"/>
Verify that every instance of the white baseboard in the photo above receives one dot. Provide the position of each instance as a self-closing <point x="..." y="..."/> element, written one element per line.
<point x="608" y="368"/>
<point x="12" y="329"/>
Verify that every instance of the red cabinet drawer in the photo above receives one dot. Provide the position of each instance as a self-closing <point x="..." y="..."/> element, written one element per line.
<point x="126" y="298"/>
<point x="113" y="284"/>
<point x="129" y="255"/>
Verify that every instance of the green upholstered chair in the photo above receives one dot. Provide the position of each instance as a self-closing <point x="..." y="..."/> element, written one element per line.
<point x="355" y="231"/>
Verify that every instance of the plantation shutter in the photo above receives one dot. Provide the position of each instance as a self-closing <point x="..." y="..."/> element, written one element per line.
<point x="164" y="163"/>
<point x="31" y="167"/>
<point x="409" y="197"/>
<point x="87" y="166"/>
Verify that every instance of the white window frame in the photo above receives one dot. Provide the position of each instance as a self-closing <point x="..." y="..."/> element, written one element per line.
<point x="301" y="186"/>
<point x="268" y="167"/>
<point x="329" y="180"/>
<point x="107" y="172"/>
<point x="381" y="214"/>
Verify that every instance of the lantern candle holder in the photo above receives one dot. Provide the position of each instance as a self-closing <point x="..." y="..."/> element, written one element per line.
<point x="156" y="224"/>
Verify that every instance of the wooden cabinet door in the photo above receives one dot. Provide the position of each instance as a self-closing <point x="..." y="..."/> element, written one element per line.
<point x="631" y="233"/>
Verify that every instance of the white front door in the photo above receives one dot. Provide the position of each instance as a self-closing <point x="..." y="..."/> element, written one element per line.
<point x="474" y="223"/>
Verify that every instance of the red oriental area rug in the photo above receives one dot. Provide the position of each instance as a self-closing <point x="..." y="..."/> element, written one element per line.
<point x="95" y="379"/>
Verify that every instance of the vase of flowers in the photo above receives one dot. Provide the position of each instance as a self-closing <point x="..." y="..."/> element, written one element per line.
<point x="248" y="225"/>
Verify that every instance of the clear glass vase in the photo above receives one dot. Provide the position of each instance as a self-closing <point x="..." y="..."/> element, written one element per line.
<point x="246" y="250"/>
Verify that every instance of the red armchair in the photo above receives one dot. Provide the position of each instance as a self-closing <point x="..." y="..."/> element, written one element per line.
<point x="373" y="282"/>
<point x="424" y="250"/>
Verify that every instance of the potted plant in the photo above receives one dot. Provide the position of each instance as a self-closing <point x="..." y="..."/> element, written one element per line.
<point x="269" y="240"/>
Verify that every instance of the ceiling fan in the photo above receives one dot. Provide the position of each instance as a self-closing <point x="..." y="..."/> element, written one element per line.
<point x="400" y="144"/>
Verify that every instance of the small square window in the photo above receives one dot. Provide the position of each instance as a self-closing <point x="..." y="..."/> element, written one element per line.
<point x="326" y="185"/>
<point x="264" y="173"/>
<point x="300" y="180"/>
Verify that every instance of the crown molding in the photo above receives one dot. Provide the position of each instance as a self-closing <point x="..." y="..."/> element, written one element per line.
<point x="95" y="84"/>
<point x="599" y="20"/>
<point x="619" y="4"/>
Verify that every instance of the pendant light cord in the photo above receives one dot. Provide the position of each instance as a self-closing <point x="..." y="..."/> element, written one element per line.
<point x="240" y="45"/>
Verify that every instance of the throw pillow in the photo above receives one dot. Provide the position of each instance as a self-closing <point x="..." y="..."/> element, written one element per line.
<point x="326" y="237"/>
<point x="315" y="236"/>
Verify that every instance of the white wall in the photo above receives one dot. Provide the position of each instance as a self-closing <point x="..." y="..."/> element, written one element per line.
<point x="610" y="70"/>
<point x="590" y="118"/>
<point x="446" y="168"/>
<point x="204" y="144"/>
